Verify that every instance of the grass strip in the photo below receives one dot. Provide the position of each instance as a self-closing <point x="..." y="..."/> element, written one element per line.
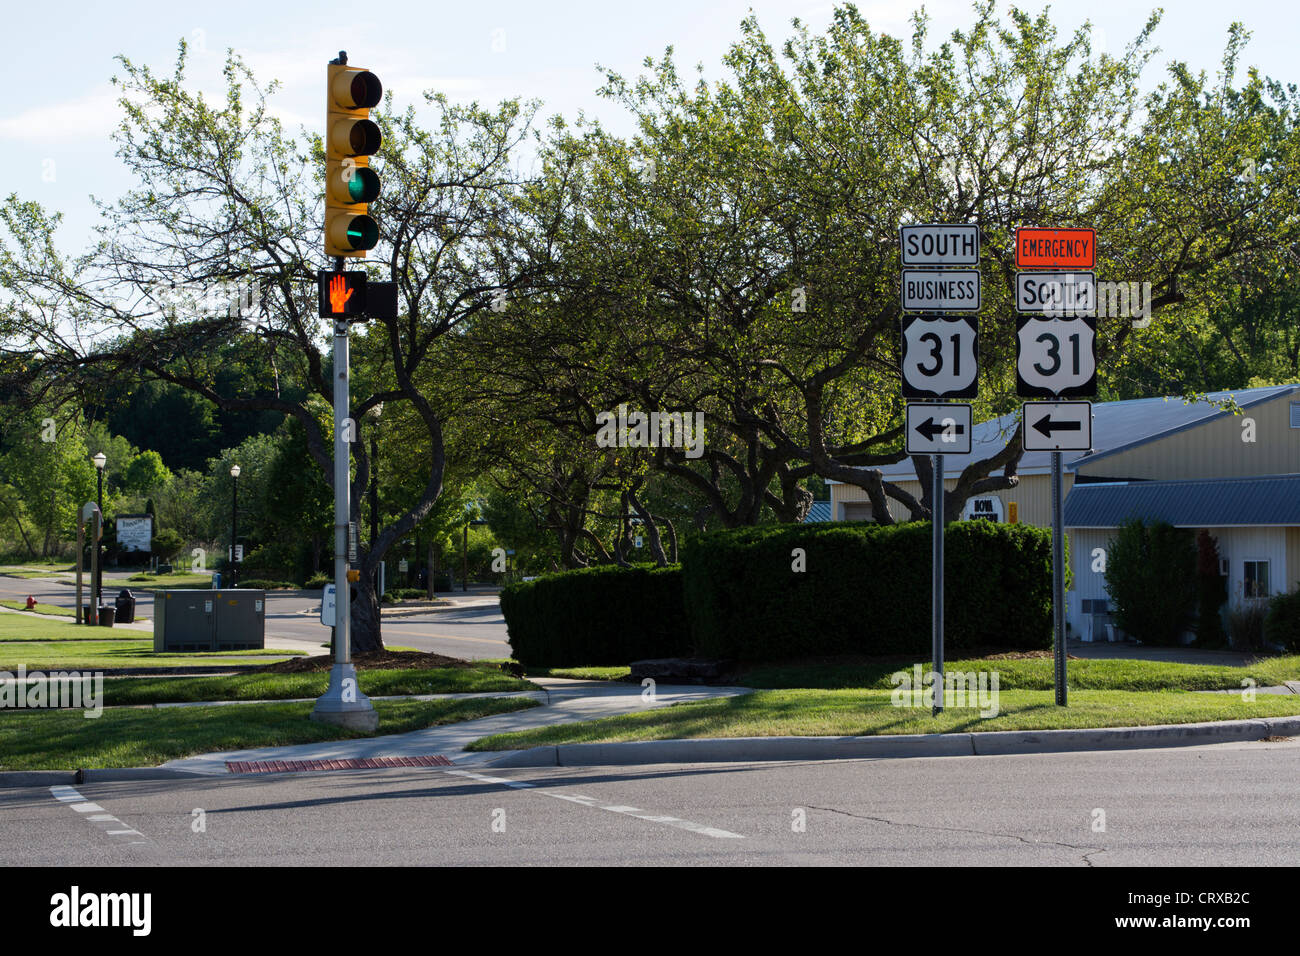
<point x="129" y="737"/>
<point x="853" y="713"/>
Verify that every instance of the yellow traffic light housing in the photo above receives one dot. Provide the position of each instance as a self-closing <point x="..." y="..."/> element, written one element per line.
<point x="354" y="575"/>
<point x="351" y="138"/>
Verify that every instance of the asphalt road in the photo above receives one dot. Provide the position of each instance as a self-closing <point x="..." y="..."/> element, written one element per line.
<point x="1221" y="805"/>
<point x="472" y="630"/>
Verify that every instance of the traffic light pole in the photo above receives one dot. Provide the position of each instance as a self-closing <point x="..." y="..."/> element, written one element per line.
<point x="343" y="703"/>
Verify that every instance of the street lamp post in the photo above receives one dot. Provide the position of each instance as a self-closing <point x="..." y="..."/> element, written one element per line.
<point x="374" y="414"/>
<point x="100" y="461"/>
<point x="234" y="525"/>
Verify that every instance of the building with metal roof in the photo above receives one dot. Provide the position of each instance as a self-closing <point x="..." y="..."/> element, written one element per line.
<point x="1228" y="463"/>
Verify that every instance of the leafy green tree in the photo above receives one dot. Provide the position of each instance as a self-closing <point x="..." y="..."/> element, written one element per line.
<point x="146" y="473"/>
<point x="1151" y="580"/>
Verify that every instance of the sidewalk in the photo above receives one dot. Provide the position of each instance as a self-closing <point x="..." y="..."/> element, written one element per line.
<point x="569" y="701"/>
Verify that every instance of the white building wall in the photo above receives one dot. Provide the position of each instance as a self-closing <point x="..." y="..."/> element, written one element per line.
<point x="1240" y="545"/>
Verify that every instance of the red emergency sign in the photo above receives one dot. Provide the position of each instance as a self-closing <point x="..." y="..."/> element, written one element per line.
<point x="1056" y="248"/>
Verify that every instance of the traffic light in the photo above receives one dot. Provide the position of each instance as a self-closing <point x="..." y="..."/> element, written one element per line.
<point x="351" y="138"/>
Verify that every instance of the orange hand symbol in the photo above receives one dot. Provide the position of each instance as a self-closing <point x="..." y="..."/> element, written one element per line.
<point x="338" y="286"/>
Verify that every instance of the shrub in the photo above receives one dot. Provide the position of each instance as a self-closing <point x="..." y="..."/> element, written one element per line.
<point x="1282" y="623"/>
<point x="1211" y="592"/>
<point x="393" y="595"/>
<point x="166" y="543"/>
<point x="866" y="589"/>
<point x="258" y="584"/>
<point x="1151" y="580"/>
<point x="317" y="582"/>
<point x="1246" y="623"/>
<point x="596" y="616"/>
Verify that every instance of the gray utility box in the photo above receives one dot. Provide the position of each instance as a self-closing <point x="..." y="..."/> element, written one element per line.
<point x="226" y="620"/>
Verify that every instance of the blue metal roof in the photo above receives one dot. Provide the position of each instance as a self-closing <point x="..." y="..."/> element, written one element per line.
<point x="1116" y="426"/>
<point x="820" y="511"/>
<point x="1215" y="503"/>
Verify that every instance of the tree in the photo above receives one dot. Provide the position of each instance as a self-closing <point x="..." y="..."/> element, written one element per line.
<point x="225" y="201"/>
<point x="1151" y="580"/>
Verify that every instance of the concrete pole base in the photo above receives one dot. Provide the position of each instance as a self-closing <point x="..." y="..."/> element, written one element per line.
<point x="343" y="704"/>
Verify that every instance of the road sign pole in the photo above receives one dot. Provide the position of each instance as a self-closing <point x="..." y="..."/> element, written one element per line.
<point x="1058" y="581"/>
<point x="936" y="613"/>
<point x="343" y="703"/>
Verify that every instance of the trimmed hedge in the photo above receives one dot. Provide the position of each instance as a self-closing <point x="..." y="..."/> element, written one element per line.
<point x="596" y="616"/>
<point x="866" y="589"/>
<point x="1282" y="625"/>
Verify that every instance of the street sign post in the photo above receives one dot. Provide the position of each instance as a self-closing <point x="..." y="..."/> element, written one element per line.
<point x="939" y="359"/>
<point x="940" y="356"/>
<point x="947" y="290"/>
<point x="1058" y="426"/>
<point x="940" y="244"/>
<point x="1056" y="357"/>
<point x="938" y="429"/>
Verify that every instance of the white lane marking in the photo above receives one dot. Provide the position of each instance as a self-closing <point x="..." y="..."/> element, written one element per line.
<point x="587" y="801"/>
<point x="71" y="797"/>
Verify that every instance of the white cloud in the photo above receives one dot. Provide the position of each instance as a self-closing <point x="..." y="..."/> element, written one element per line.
<point x="91" y="116"/>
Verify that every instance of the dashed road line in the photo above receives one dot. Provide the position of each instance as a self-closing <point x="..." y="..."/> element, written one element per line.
<point x="108" y="824"/>
<point x="587" y="801"/>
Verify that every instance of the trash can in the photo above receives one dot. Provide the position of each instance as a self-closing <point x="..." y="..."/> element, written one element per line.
<point x="106" y="614"/>
<point x="125" y="606"/>
<point x="216" y="580"/>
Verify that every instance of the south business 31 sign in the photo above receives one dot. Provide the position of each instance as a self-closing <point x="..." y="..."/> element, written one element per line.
<point x="940" y="356"/>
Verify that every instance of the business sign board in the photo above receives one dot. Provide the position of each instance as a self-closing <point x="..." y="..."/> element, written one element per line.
<point x="940" y="356"/>
<point x="135" y="532"/>
<point x="1057" y="426"/>
<point x="950" y="290"/>
<point x="1056" y="358"/>
<point x="1056" y="293"/>
<point x="1056" y="248"/>
<point x="982" y="509"/>
<point x="938" y="429"/>
<point x="955" y="244"/>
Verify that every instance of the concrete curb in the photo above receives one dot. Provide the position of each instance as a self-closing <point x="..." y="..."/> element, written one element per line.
<point x="754" y="749"/>
<point x="54" y="778"/>
<point x="743" y="749"/>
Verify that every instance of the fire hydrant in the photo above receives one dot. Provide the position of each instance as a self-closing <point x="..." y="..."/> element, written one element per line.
<point x="31" y="602"/>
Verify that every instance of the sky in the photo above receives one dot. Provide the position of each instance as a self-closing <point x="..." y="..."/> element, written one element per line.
<point x="55" y="144"/>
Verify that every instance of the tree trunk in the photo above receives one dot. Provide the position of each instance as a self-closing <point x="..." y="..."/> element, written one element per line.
<point x="365" y="618"/>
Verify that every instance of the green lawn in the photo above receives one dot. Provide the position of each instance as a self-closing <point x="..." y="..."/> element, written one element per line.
<point x="45" y="643"/>
<point x="157" y="582"/>
<point x="50" y="610"/>
<point x="130" y="737"/>
<point x="836" y="713"/>
<point x="97" y="655"/>
<point x="22" y="573"/>
<point x="375" y="683"/>
<point x="1031" y="674"/>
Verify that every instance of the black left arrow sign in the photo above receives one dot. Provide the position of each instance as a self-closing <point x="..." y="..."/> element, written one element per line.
<point x="928" y="429"/>
<point x="1046" y="426"/>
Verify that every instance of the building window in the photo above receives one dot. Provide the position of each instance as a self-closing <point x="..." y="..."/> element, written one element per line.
<point x="1256" y="579"/>
<point x="1295" y="414"/>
